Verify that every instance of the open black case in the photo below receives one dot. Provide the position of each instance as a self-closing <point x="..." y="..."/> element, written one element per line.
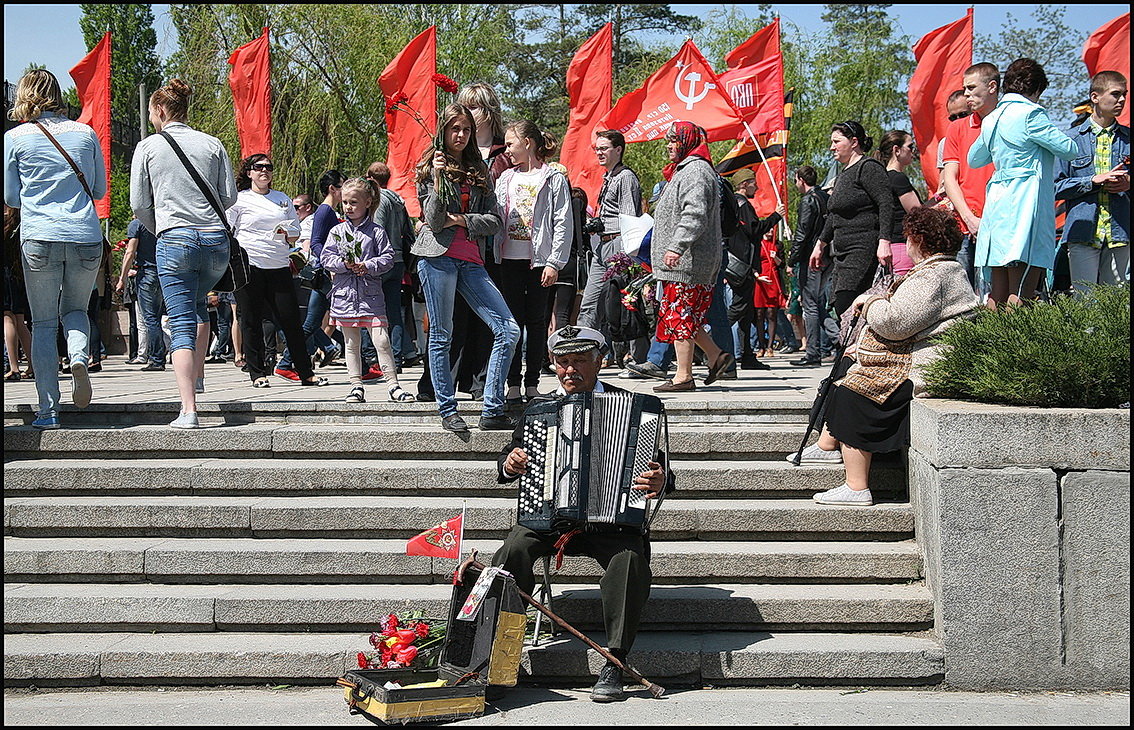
<point x="478" y="653"/>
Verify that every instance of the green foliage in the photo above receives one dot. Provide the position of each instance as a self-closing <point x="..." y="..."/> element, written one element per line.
<point x="133" y="50"/>
<point x="1071" y="353"/>
<point x="1054" y="44"/>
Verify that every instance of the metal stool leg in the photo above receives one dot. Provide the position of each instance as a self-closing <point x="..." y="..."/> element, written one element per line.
<point x="545" y="599"/>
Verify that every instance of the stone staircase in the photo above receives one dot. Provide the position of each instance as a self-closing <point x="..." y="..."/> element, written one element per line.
<point x="267" y="547"/>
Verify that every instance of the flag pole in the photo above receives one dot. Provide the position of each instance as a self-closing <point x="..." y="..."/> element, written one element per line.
<point x="764" y="160"/>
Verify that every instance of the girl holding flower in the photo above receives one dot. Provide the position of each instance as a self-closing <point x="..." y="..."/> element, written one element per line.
<point x="459" y="211"/>
<point x="358" y="252"/>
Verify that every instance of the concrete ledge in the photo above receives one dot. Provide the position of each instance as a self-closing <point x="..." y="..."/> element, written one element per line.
<point x="1024" y="518"/>
<point x="959" y="433"/>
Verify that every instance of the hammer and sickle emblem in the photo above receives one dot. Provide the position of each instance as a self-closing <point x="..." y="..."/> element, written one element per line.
<point x="692" y="77"/>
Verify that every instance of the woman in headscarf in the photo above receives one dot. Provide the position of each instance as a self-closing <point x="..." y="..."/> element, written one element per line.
<point x="686" y="252"/>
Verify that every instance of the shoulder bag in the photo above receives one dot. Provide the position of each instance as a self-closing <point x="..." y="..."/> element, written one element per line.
<point x="238" y="272"/>
<point x="104" y="285"/>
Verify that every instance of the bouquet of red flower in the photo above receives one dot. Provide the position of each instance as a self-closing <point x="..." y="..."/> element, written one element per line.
<point x="405" y="640"/>
<point x="400" y="102"/>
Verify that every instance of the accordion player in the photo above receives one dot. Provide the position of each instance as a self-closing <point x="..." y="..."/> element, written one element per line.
<point x="584" y="451"/>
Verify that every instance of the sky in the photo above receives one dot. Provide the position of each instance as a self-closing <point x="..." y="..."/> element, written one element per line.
<point x="50" y="35"/>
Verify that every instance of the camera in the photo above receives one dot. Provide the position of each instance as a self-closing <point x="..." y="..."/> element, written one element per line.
<point x="594" y="226"/>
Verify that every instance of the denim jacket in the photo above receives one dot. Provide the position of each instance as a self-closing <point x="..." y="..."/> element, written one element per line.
<point x="1073" y="184"/>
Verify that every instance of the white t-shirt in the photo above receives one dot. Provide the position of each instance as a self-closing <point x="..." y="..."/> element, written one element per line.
<point x="522" y="191"/>
<point x="255" y="218"/>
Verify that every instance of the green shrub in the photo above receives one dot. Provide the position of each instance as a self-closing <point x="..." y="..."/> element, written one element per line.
<point x="1072" y="353"/>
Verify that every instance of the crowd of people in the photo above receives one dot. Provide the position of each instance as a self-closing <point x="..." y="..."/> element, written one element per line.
<point x="506" y="250"/>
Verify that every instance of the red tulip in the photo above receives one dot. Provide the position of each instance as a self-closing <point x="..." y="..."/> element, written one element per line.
<point x="407" y="655"/>
<point x="407" y="636"/>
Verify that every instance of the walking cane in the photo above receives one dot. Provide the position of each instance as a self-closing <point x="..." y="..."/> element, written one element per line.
<point x="656" y="690"/>
<point x="819" y="407"/>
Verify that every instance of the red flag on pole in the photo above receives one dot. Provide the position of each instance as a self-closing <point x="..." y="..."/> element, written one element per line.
<point x="439" y="541"/>
<point x="92" y="83"/>
<point x="942" y="56"/>
<point x="1108" y="49"/>
<point x="250" y="81"/>
<point x="410" y="73"/>
<point x="755" y="79"/>
<point x="590" y="85"/>
<point x="684" y="89"/>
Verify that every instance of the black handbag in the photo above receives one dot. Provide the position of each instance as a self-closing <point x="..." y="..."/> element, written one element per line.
<point x="315" y="277"/>
<point x="236" y="276"/>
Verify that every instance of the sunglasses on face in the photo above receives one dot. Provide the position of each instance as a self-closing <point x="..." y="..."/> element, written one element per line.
<point x="958" y="115"/>
<point x="263" y="167"/>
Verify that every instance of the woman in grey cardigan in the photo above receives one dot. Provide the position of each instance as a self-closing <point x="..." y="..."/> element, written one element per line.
<point x="458" y="207"/>
<point x="686" y="252"/>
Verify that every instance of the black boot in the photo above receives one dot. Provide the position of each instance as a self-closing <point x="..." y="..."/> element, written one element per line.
<point x="608" y="688"/>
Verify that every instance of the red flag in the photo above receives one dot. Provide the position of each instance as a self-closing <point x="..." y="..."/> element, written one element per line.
<point x="440" y="541"/>
<point x="755" y="79"/>
<point x="250" y="81"/>
<point x="942" y="56"/>
<point x="410" y="73"/>
<point x="590" y="85"/>
<point x="92" y="83"/>
<point x="1108" y="49"/>
<point x="684" y="89"/>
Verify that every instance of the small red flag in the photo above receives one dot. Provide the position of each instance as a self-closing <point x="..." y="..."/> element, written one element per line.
<point x="590" y="85"/>
<point x="684" y="89"/>
<point x="755" y="79"/>
<point x="440" y="541"/>
<point x="942" y="56"/>
<point x="92" y="83"/>
<point x="1108" y="49"/>
<point x="250" y="81"/>
<point x="410" y="74"/>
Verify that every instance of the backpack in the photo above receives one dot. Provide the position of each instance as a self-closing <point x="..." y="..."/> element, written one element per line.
<point x="730" y="208"/>
<point x="622" y="323"/>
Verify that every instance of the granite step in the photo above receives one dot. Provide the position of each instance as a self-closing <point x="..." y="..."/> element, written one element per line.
<point x="142" y="607"/>
<point x="202" y="475"/>
<point x="404" y="517"/>
<point x="672" y="659"/>
<point x="339" y="441"/>
<point x="707" y="410"/>
<point x="235" y="560"/>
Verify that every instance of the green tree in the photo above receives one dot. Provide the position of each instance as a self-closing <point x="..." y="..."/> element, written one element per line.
<point x="1051" y="42"/>
<point x="133" y="51"/>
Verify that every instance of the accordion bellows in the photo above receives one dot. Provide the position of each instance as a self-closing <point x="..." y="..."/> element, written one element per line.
<point x="584" y="451"/>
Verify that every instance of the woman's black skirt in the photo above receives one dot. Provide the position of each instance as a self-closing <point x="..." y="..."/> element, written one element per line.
<point x="857" y="421"/>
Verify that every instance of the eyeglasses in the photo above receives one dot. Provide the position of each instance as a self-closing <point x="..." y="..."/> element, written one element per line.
<point x="602" y="150"/>
<point x="263" y="167"/>
<point x="959" y="115"/>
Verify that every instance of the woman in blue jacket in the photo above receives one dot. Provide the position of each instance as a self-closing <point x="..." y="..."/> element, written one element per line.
<point x="60" y="235"/>
<point x="1017" y="233"/>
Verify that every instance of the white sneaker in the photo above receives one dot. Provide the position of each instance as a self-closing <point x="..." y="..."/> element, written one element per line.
<point x="186" y="420"/>
<point x="815" y="455"/>
<point x="845" y="496"/>
<point x="80" y="384"/>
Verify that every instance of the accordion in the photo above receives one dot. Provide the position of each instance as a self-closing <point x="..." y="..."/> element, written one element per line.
<point x="584" y="451"/>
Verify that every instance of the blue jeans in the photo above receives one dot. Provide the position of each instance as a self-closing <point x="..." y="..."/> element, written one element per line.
<point x="441" y="278"/>
<point x="151" y="304"/>
<point x="814" y="295"/>
<point x="717" y="317"/>
<point x="392" y="291"/>
<point x="190" y="263"/>
<point x="60" y="276"/>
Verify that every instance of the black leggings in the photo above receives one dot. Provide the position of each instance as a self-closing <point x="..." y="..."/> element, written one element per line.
<point x="527" y="300"/>
<point x="271" y="294"/>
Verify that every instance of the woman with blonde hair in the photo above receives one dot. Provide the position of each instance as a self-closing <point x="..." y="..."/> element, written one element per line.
<point x="53" y="172"/>
<point x="458" y="208"/>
